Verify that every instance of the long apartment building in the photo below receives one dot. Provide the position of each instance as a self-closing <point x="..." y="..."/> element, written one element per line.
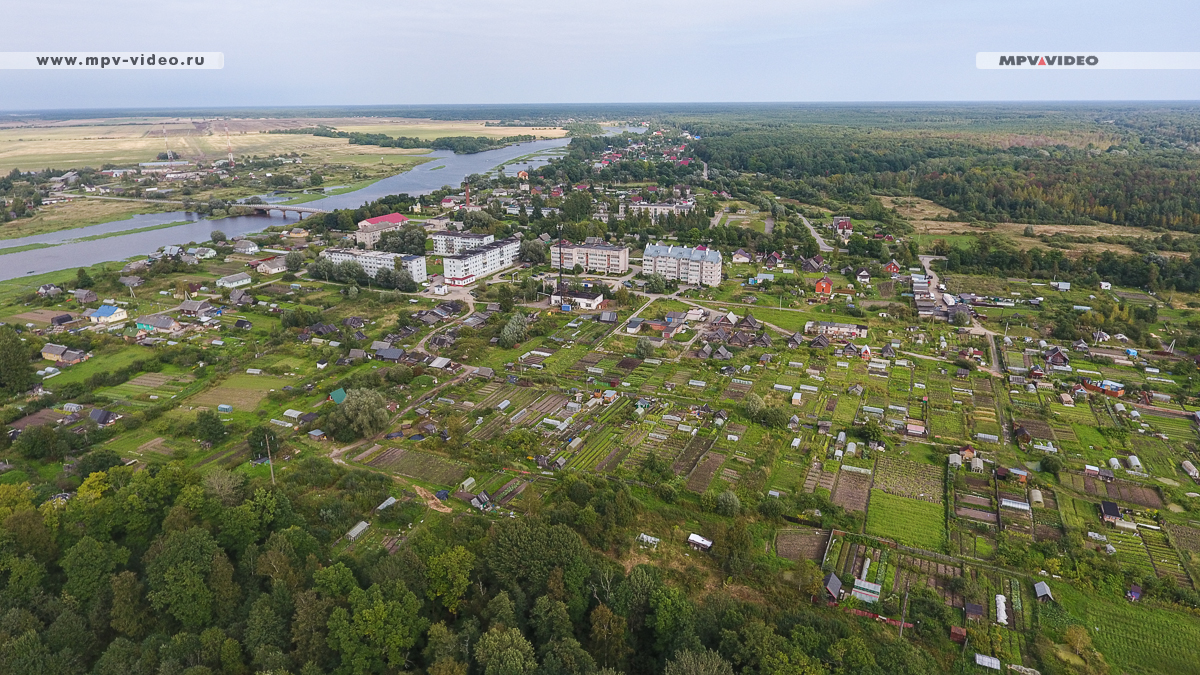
<point x="700" y="266"/>
<point x="475" y="263"/>
<point x="594" y="257"/>
<point x="448" y="242"/>
<point x="656" y="210"/>
<point x="373" y="261"/>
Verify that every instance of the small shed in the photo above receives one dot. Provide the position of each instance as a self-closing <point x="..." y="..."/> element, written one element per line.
<point x="1042" y="590"/>
<point x="833" y="586"/>
<point x="958" y="634"/>
<point x="974" y="611"/>
<point x="699" y="543"/>
<point x="1109" y="512"/>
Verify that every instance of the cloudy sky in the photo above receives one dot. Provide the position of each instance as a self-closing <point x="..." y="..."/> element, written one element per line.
<point x="365" y="52"/>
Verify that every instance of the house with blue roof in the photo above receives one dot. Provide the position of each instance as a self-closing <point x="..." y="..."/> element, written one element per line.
<point x="108" y="314"/>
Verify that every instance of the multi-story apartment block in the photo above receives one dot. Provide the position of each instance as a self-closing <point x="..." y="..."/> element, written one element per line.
<point x="658" y="210"/>
<point x="372" y="229"/>
<point x="476" y="263"/>
<point x="700" y="266"/>
<point x="373" y="261"/>
<point x="447" y="242"/>
<point x="594" y="257"/>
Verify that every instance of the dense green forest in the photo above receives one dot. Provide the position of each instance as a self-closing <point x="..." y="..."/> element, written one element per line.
<point x="167" y="570"/>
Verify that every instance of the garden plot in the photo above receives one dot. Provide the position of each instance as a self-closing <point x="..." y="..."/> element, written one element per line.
<point x="144" y="386"/>
<point x="913" y="572"/>
<point x="157" y="445"/>
<point x="1036" y="428"/>
<point x="703" y="474"/>
<point x="736" y="391"/>
<point x="913" y="480"/>
<point x="1047" y="522"/>
<point x="852" y="491"/>
<point x="543" y="407"/>
<point x="1186" y="538"/>
<point x="1130" y="550"/>
<point x="947" y="424"/>
<point x="917" y="523"/>
<point x="243" y="392"/>
<point x="817" y="477"/>
<point x="1134" y="493"/>
<point x="692" y="452"/>
<point x="800" y="545"/>
<point x="601" y="442"/>
<point x="588" y="361"/>
<point x="419" y="465"/>
<point x="630" y="440"/>
<point x="1164" y="558"/>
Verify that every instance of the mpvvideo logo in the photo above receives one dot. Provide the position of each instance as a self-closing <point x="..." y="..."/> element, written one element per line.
<point x="1082" y="61"/>
<point x="1050" y="60"/>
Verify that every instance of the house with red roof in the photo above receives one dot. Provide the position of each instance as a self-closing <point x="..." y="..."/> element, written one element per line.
<point x="371" y="229"/>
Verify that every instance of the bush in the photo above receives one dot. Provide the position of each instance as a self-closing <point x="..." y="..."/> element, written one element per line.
<point x="728" y="504"/>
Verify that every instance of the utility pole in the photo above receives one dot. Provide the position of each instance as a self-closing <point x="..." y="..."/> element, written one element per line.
<point x="271" y="464"/>
<point x="560" y="260"/>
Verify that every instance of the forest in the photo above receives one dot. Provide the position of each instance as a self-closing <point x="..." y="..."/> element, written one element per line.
<point x="168" y="570"/>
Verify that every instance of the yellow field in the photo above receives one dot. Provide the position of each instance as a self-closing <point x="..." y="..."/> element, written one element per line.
<point x="919" y="211"/>
<point x="78" y="143"/>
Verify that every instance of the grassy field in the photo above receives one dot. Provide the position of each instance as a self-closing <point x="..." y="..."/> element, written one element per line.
<point x="78" y="213"/>
<point x="908" y="521"/>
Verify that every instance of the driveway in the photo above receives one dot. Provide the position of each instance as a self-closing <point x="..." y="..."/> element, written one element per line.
<point x="825" y="248"/>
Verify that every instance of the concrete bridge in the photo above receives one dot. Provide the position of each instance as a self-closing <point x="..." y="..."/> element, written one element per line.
<point x="283" y="209"/>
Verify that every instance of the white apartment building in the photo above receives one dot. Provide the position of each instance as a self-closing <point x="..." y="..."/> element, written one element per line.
<point x="699" y="266"/>
<point x="597" y="257"/>
<point x="447" y="242"/>
<point x="373" y="261"/>
<point x="656" y="211"/>
<point x="476" y="263"/>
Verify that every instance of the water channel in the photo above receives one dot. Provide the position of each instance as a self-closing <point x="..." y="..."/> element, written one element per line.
<point x="66" y="251"/>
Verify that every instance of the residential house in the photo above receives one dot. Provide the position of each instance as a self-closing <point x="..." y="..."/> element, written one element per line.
<point x="276" y="265"/>
<point x="740" y="256"/>
<point x="102" y="417"/>
<point x="234" y="280"/>
<point x="863" y="276"/>
<point x="131" y="281"/>
<point x="158" y="323"/>
<point x="85" y="295"/>
<point x="49" y="291"/>
<point x="239" y="297"/>
<point x="245" y="247"/>
<point x="893" y="267"/>
<point x="824" y="286"/>
<point x="1109" y="512"/>
<point x="194" y="307"/>
<point x="108" y="314"/>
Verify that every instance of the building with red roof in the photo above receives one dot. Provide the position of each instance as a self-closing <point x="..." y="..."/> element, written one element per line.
<point x="371" y="229"/>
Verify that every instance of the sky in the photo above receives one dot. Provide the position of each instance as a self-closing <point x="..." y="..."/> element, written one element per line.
<point x="376" y="52"/>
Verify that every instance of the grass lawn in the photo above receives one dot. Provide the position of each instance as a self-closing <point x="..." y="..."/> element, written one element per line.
<point x="78" y="213"/>
<point x="101" y="362"/>
<point x="908" y="521"/>
<point x="1134" y="638"/>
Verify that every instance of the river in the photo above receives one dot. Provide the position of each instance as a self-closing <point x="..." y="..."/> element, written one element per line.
<point x="65" y="251"/>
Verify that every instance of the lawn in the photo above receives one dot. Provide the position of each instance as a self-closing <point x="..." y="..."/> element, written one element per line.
<point x="242" y="391"/>
<point x="908" y="521"/>
<point x="1134" y="638"/>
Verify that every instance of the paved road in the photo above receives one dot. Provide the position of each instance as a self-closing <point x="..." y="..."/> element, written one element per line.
<point x="825" y="248"/>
